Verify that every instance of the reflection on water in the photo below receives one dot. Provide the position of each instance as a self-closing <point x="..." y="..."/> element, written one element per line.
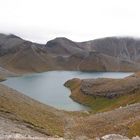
<point x="48" y="87"/>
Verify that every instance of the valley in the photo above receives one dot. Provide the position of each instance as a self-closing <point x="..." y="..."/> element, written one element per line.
<point x="114" y="103"/>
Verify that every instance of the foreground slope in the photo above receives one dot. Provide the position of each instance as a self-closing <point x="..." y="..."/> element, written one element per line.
<point x="114" y="103"/>
<point x="31" y="113"/>
<point x="36" y="119"/>
<point x="124" y="121"/>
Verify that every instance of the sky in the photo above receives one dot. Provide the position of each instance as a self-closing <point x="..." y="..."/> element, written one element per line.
<point x="78" y="20"/>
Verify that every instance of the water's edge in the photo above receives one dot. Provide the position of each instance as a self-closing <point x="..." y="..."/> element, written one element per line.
<point x="48" y="87"/>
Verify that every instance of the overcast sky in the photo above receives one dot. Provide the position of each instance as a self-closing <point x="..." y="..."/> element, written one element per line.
<point x="79" y="20"/>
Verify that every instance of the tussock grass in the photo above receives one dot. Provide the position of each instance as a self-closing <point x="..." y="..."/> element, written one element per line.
<point x="101" y="104"/>
<point x="40" y="117"/>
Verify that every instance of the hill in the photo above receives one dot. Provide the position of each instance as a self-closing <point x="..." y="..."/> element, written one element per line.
<point x="114" y="102"/>
<point x="106" y="54"/>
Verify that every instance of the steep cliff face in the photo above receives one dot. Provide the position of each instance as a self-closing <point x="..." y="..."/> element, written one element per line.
<point x="107" y="54"/>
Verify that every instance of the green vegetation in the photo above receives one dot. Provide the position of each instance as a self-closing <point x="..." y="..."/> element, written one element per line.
<point x="40" y="117"/>
<point x="101" y="104"/>
<point x="50" y="121"/>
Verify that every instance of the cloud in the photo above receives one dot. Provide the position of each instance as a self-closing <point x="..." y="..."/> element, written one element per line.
<point x="41" y="20"/>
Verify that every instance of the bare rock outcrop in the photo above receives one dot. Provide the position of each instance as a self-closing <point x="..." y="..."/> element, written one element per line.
<point x="117" y="137"/>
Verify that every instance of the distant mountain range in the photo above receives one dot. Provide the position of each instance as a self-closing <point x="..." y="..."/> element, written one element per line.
<point x="106" y="54"/>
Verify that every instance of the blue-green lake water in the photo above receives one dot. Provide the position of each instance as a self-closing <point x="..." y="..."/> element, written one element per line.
<point x="48" y="87"/>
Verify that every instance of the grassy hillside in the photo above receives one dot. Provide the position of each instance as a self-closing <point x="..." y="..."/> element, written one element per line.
<point x="35" y="115"/>
<point x="105" y="94"/>
<point x="71" y="125"/>
<point x="107" y="115"/>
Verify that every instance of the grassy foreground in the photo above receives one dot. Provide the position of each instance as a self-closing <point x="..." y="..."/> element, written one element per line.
<point x="71" y="125"/>
<point x="39" y="117"/>
<point x="103" y="104"/>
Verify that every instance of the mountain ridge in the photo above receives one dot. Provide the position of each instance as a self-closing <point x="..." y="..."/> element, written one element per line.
<point x="105" y="54"/>
<point x="112" y="115"/>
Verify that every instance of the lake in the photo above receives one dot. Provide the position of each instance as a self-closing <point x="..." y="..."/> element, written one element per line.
<point x="48" y="87"/>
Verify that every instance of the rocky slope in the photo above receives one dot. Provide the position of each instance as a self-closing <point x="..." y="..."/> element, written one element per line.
<point x="110" y="88"/>
<point x="107" y="54"/>
<point x="22" y="116"/>
<point x="123" y="121"/>
<point x="104" y="87"/>
<point x="105" y="94"/>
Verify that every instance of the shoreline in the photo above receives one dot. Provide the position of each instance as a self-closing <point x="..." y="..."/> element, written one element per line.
<point x="66" y="119"/>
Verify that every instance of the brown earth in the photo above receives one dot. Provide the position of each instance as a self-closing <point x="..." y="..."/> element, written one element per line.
<point x="33" y="114"/>
<point x="117" y="98"/>
<point x="114" y="103"/>
<point x="47" y="121"/>
<point x="106" y="54"/>
<point x="120" y="121"/>
<point x="105" y="93"/>
<point x="110" y="88"/>
<point x="106" y="87"/>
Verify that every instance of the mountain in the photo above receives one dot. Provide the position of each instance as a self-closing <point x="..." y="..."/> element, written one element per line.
<point x="114" y="103"/>
<point x="23" y="56"/>
<point x="106" y="87"/>
<point x="106" y="54"/>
